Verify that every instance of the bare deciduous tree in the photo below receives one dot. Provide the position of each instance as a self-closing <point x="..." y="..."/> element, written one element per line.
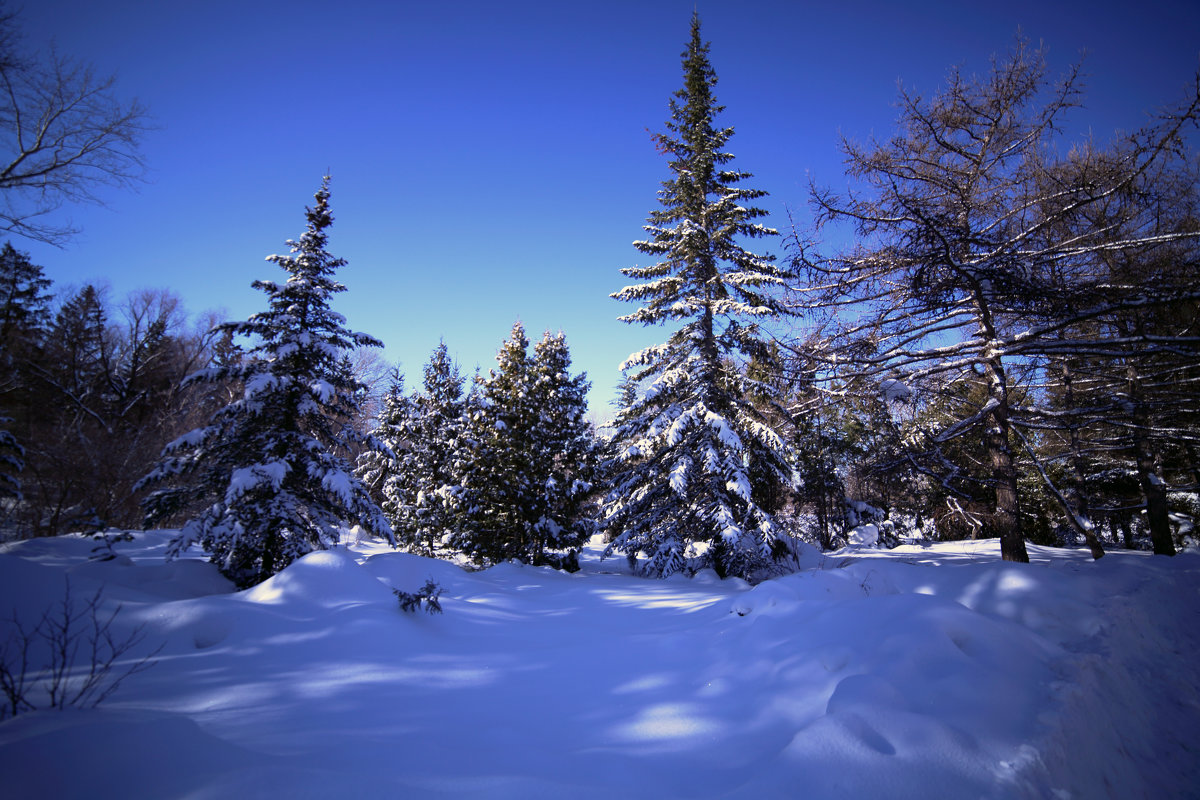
<point x="63" y="135"/>
<point x="976" y="248"/>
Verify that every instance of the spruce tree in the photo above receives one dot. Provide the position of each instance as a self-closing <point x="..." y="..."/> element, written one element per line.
<point x="681" y="484"/>
<point x="77" y="362"/>
<point x="494" y="496"/>
<point x="24" y="319"/>
<point x="413" y="469"/>
<point x="527" y="458"/>
<point x="24" y="301"/>
<point x="435" y="464"/>
<point x="266" y="470"/>
<point x="383" y="465"/>
<point x="564" y="457"/>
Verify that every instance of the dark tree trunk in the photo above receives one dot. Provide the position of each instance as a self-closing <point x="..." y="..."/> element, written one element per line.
<point x="1155" y="493"/>
<point x="1006" y="521"/>
<point x="1194" y="465"/>
<point x="1080" y="518"/>
<point x="1127" y="534"/>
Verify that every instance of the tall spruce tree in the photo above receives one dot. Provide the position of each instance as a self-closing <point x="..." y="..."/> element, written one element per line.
<point x="24" y="302"/>
<point x="435" y="462"/>
<point x="413" y="469"/>
<point x="266" y="469"/>
<point x="384" y="463"/>
<point x="495" y="523"/>
<point x="527" y="460"/>
<point x="565" y="451"/>
<point x="681" y="491"/>
<point x="24" y="318"/>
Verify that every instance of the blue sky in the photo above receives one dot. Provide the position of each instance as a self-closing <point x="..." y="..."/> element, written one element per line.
<point x="491" y="160"/>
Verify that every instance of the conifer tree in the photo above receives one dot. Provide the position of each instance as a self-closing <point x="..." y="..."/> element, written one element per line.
<point x="12" y="461"/>
<point x="24" y="318"/>
<point x="493" y="498"/>
<point x="267" y="467"/>
<point x="527" y="462"/>
<point x="382" y="465"/>
<point x="434" y="467"/>
<point x="24" y="302"/>
<point x="77" y="362"/>
<point x="984" y="258"/>
<point x="564" y="457"/>
<point x="681" y="487"/>
<point x="415" y="472"/>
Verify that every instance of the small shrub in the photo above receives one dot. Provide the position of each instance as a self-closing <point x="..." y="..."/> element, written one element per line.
<point x="425" y="598"/>
<point x="107" y="538"/>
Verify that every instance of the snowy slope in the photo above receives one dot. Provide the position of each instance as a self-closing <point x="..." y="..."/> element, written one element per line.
<point x="911" y="673"/>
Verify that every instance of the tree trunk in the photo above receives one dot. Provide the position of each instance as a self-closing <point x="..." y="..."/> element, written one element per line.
<point x="1080" y="519"/>
<point x="1155" y="493"/>
<point x="1089" y="535"/>
<point x="1194" y="464"/>
<point x="1006" y="521"/>
<point x="1127" y="533"/>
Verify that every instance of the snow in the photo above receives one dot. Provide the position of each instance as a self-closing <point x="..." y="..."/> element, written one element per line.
<point x="261" y="383"/>
<point x="247" y="479"/>
<point x="341" y="484"/>
<point x="910" y="673"/>
<point x="895" y="391"/>
<point x="679" y="475"/>
<point x="863" y="536"/>
<point x="190" y="439"/>
<point x="323" y="390"/>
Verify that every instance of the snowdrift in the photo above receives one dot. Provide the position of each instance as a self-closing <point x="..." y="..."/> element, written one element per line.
<point x="904" y="674"/>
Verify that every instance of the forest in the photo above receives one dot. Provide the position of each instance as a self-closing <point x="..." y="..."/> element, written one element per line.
<point x="1007" y="349"/>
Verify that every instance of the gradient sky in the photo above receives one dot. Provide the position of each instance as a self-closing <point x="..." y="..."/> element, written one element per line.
<point x="491" y="160"/>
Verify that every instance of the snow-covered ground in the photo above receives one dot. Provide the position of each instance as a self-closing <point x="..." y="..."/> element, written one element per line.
<point x="937" y="672"/>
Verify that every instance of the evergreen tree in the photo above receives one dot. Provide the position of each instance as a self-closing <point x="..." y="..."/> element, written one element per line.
<point x="527" y="459"/>
<point x="564" y="457"/>
<point x="434" y="468"/>
<point x="24" y="318"/>
<point x="494" y="498"/>
<point x="681" y="489"/>
<point x="267" y="465"/>
<point x="77" y="362"/>
<point x="380" y="466"/>
<point x="67" y="473"/>
<point x="24" y="302"/>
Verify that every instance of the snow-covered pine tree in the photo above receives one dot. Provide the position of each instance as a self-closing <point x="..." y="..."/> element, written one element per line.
<point x="384" y="465"/>
<point x="681" y="486"/>
<point x="414" y="472"/>
<point x="265" y="472"/>
<point x="493" y="499"/>
<point x="527" y="458"/>
<point x="565" y="451"/>
<point x="434" y="473"/>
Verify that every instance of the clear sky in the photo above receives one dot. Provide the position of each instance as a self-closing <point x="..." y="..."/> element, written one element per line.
<point x="491" y="160"/>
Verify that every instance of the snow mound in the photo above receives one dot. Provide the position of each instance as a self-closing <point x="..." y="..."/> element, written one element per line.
<point x="323" y="580"/>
